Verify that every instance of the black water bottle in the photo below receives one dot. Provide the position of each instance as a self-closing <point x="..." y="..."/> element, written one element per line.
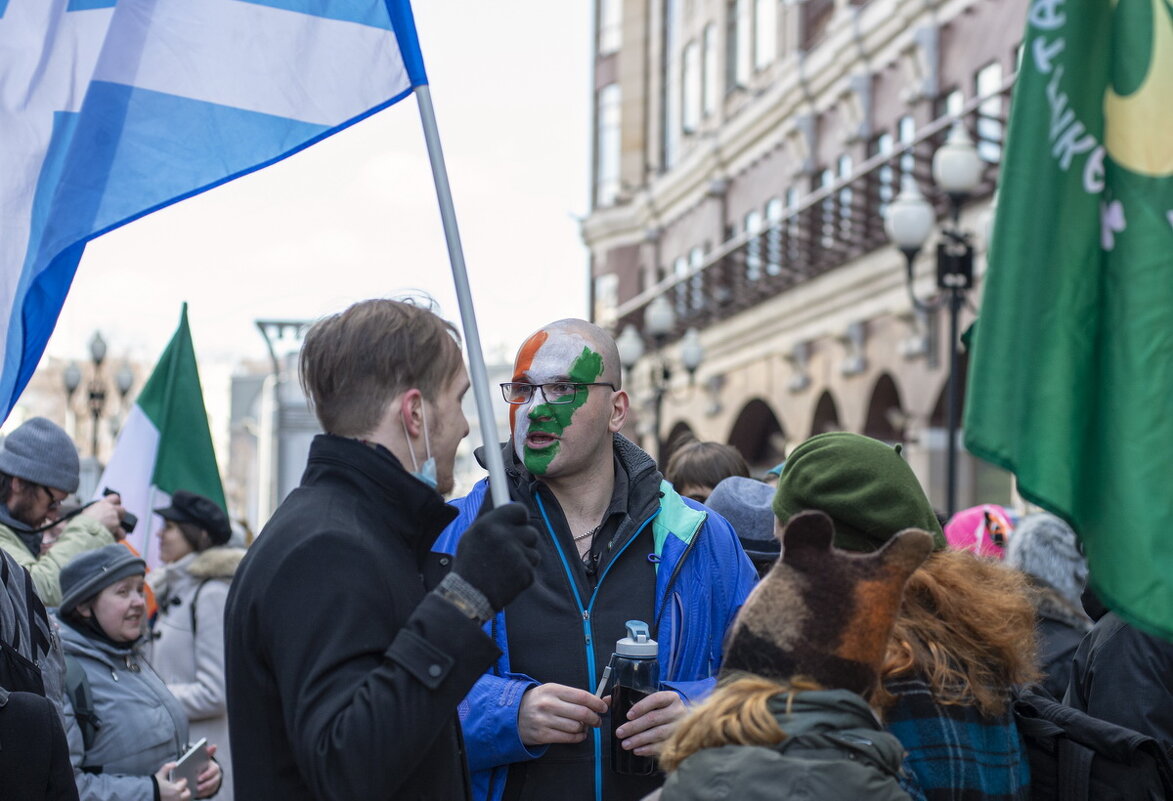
<point x="635" y="674"/>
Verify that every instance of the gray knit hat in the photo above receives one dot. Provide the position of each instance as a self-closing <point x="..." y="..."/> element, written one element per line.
<point x="41" y="452"/>
<point x="746" y="504"/>
<point x="93" y="571"/>
<point x="1045" y="547"/>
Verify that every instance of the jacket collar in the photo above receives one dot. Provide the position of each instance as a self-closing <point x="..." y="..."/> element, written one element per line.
<point x="395" y="495"/>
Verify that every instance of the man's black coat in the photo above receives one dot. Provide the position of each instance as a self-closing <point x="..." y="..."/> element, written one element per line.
<point x="344" y="672"/>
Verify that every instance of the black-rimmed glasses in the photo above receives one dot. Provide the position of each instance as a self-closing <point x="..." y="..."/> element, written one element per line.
<point x="54" y="502"/>
<point x="554" y="393"/>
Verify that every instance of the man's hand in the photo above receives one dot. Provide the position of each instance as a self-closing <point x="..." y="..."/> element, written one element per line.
<point x="650" y="722"/>
<point x="498" y="554"/>
<point x="555" y="713"/>
<point x="108" y="511"/>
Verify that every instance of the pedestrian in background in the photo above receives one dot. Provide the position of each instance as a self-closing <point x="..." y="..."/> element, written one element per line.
<point x="1047" y="551"/>
<point x="748" y="506"/>
<point x="187" y="647"/>
<point x="39" y="468"/>
<point x="965" y="633"/>
<point x="696" y="467"/>
<point x="125" y="729"/>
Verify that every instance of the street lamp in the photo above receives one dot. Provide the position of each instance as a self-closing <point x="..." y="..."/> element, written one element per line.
<point x="97" y="388"/>
<point x="909" y="222"/>
<point x="659" y="321"/>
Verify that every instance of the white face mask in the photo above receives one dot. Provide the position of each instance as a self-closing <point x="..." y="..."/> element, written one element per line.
<point x="427" y="473"/>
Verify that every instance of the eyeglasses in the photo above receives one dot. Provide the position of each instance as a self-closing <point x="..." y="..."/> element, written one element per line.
<point x="556" y="393"/>
<point x="54" y="501"/>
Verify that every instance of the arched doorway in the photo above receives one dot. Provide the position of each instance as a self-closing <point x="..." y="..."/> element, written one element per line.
<point x="826" y="415"/>
<point x="759" y="436"/>
<point x="886" y="419"/>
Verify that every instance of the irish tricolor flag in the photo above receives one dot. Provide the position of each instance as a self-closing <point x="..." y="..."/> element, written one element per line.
<point x="165" y="444"/>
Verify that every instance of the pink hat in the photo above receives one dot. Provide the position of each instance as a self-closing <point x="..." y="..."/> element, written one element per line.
<point x="982" y="529"/>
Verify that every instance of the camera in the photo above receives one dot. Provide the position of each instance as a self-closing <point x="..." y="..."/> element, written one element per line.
<point x="129" y="521"/>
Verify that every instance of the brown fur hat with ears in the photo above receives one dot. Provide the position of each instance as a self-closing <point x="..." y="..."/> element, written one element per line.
<point x="822" y="613"/>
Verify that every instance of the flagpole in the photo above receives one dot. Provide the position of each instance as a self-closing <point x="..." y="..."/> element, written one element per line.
<point x="478" y="374"/>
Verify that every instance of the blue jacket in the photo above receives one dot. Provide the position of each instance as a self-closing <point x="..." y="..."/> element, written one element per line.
<point x="702" y="578"/>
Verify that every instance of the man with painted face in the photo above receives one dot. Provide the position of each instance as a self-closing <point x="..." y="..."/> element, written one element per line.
<point x="617" y="544"/>
<point x="349" y="644"/>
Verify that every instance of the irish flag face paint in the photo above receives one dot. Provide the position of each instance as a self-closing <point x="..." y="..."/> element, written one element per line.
<point x="541" y="431"/>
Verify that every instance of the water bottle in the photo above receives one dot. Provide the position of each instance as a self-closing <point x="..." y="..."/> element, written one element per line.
<point x="635" y="673"/>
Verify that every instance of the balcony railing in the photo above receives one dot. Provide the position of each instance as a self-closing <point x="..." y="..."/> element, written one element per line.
<point x="827" y="229"/>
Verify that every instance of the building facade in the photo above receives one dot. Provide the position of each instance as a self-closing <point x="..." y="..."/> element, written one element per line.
<point x="745" y="152"/>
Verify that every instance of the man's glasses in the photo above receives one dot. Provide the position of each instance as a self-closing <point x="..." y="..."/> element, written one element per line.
<point x="556" y="393"/>
<point x="54" y="502"/>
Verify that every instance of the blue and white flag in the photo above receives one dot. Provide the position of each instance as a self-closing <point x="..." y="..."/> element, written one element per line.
<point x="111" y="109"/>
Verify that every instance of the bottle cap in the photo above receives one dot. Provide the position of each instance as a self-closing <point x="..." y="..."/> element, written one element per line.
<point x="638" y="643"/>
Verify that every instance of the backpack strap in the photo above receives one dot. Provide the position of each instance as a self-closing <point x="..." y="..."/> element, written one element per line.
<point x="77" y="684"/>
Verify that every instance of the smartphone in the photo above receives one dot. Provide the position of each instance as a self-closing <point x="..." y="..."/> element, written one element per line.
<point x="192" y="764"/>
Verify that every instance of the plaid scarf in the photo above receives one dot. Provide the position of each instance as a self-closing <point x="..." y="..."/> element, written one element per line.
<point x="954" y="752"/>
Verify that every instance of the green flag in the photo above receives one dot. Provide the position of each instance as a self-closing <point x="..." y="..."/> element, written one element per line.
<point x="165" y="444"/>
<point x="1071" y="385"/>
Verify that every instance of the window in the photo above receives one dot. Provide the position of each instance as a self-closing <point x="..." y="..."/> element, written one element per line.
<point x="606" y="299"/>
<point x="691" y="103"/>
<point x="792" y="228"/>
<point x="846" y="196"/>
<point x="610" y="26"/>
<point x="753" y="248"/>
<point x="680" y="291"/>
<point x="989" y="125"/>
<point x="740" y="54"/>
<point x="827" y="211"/>
<point x="954" y="102"/>
<point x="765" y="33"/>
<point x="670" y="87"/>
<point x="607" y="140"/>
<point x="886" y="176"/>
<point x="775" y="211"/>
<point x="906" y="133"/>
<point x="712" y="75"/>
<point x="696" y="258"/>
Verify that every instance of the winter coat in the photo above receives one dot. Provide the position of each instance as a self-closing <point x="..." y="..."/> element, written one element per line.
<point x="30" y="648"/>
<point x="82" y="533"/>
<point x="141" y="726"/>
<point x="188" y="646"/>
<point x="1060" y="626"/>
<point x="34" y="756"/>
<point x="344" y="671"/>
<point x="834" y="749"/>
<point x="702" y="576"/>
<point x="1124" y="676"/>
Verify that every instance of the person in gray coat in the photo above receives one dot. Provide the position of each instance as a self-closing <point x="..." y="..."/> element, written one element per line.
<point x="140" y="730"/>
<point x="187" y="648"/>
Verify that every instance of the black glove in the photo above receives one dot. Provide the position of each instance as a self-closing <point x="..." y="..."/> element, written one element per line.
<point x="498" y="554"/>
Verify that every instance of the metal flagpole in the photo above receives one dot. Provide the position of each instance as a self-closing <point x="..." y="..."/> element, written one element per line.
<point x="478" y="375"/>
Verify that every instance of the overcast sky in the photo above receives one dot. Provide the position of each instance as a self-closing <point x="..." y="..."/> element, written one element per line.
<point x="355" y="216"/>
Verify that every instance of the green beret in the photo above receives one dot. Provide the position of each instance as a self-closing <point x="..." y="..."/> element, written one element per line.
<point x="865" y="486"/>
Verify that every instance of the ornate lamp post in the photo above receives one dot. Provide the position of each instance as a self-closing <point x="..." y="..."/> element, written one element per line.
<point x="909" y="222"/>
<point x="97" y="389"/>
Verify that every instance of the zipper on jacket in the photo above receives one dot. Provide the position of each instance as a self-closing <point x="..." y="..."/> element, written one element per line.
<point x="596" y="735"/>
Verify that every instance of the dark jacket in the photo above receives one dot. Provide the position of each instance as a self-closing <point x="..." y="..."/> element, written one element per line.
<point x="34" y="757"/>
<point x="1124" y="676"/>
<point x="344" y="672"/>
<point x="834" y="750"/>
<point x="670" y="560"/>
<point x="1060" y="626"/>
